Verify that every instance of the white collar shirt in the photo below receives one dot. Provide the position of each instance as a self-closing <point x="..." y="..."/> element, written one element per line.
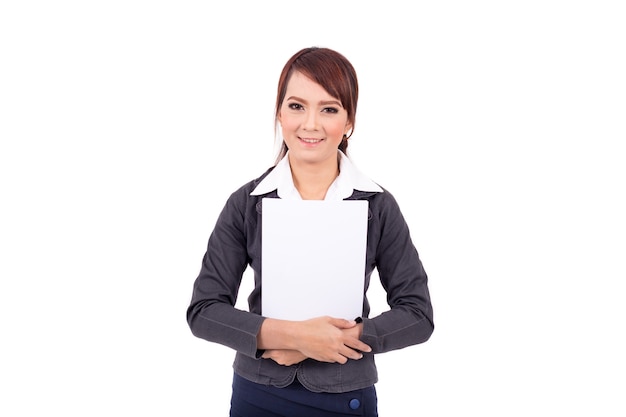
<point x="348" y="180"/>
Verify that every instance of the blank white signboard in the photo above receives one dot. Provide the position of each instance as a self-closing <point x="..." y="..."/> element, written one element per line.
<point x="313" y="258"/>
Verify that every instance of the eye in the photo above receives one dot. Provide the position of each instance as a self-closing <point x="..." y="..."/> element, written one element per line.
<point x="294" y="106"/>
<point x="331" y="110"/>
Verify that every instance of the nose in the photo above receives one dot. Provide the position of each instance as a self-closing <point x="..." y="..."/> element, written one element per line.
<point x="310" y="120"/>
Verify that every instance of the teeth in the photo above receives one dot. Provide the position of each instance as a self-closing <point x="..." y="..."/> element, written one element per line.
<point x="311" y="140"/>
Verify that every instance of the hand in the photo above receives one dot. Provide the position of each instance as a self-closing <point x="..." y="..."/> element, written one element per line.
<point x="284" y="356"/>
<point x="329" y="339"/>
<point x="354" y="332"/>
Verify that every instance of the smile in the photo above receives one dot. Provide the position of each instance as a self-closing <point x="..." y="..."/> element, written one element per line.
<point x="309" y="140"/>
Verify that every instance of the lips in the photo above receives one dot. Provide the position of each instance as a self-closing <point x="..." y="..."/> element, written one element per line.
<point x="311" y="140"/>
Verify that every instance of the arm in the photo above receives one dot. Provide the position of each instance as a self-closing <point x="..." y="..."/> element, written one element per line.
<point x="211" y="314"/>
<point x="410" y="318"/>
<point x="325" y="339"/>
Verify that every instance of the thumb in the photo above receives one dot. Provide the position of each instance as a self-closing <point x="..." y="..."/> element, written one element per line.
<point x="342" y="323"/>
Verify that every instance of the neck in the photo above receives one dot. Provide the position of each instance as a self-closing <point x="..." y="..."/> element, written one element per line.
<point x="313" y="180"/>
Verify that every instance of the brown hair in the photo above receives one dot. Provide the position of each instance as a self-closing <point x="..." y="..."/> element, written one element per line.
<point x="329" y="69"/>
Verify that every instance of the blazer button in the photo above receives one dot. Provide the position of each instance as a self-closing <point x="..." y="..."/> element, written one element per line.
<point x="354" y="403"/>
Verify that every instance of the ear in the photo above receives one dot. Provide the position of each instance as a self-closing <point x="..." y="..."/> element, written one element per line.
<point x="348" y="130"/>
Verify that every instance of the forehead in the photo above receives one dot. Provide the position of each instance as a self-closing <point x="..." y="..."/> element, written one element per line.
<point x="300" y="85"/>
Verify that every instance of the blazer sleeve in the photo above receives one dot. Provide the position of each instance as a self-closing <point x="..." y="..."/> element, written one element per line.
<point x="409" y="320"/>
<point x="211" y="314"/>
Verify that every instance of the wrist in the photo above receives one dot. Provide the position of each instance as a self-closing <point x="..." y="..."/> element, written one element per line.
<point x="278" y="334"/>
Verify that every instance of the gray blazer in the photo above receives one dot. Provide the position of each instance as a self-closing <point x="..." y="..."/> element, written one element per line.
<point x="235" y="244"/>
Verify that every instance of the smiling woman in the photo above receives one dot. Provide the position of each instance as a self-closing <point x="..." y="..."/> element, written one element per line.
<point x="325" y="76"/>
<point x="310" y="116"/>
<point x="323" y="366"/>
<point x="313" y="125"/>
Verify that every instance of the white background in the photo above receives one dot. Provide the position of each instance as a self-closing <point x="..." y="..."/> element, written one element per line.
<point x="498" y="126"/>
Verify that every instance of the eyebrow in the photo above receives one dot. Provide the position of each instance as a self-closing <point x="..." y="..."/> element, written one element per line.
<point x="321" y="103"/>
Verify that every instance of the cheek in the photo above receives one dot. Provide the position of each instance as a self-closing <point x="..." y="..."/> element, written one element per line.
<point x="335" y="130"/>
<point x="288" y="124"/>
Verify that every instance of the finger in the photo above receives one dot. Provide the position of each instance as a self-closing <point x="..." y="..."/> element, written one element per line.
<point x="341" y="359"/>
<point x="351" y="353"/>
<point x="336" y="357"/>
<point x="342" y="323"/>
<point x="358" y="345"/>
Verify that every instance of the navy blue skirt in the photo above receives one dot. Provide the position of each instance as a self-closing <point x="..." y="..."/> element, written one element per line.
<point x="255" y="400"/>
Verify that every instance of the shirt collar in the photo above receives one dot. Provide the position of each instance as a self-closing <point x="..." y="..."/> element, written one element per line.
<point x="349" y="179"/>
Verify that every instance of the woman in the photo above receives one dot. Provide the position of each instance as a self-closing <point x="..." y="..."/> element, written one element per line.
<point x="322" y="366"/>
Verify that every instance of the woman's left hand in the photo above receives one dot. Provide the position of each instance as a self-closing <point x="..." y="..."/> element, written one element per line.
<point x="284" y="356"/>
<point x="354" y="332"/>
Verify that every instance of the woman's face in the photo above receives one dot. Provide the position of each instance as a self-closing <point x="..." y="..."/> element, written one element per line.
<point x="313" y="122"/>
